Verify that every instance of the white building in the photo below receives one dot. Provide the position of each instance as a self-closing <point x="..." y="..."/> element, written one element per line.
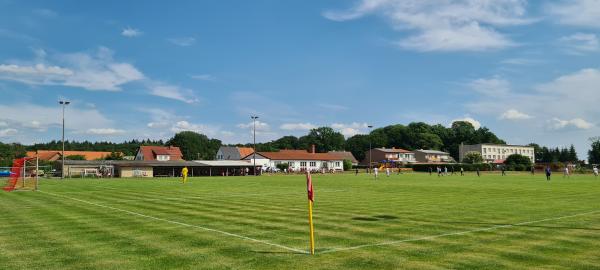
<point x="298" y="160"/>
<point x="496" y="153"/>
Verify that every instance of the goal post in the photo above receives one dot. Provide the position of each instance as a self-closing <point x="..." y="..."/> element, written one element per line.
<point x="23" y="175"/>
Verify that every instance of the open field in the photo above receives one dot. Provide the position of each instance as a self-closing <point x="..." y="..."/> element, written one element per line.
<point x="413" y="221"/>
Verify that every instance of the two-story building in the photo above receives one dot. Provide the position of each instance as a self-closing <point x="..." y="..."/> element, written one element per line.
<point x="159" y="153"/>
<point x="496" y="153"/>
<point x="233" y="152"/>
<point x="379" y="156"/>
<point x="432" y="156"/>
<point x="298" y="160"/>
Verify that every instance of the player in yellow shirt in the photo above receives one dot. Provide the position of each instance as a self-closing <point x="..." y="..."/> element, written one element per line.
<point x="184" y="174"/>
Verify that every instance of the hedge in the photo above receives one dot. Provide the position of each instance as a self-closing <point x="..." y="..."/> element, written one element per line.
<point x="467" y="167"/>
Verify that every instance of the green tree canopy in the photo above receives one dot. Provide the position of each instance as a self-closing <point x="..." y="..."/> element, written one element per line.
<point x="195" y="146"/>
<point x="325" y="139"/>
<point x="473" y="158"/>
<point x="517" y="159"/>
<point x="594" y="152"/>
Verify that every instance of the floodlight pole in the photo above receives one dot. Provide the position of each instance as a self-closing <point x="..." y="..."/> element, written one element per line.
<point x="64" y="104"/>
<point x="254" y="117"/>
<point x="370" y="150"/>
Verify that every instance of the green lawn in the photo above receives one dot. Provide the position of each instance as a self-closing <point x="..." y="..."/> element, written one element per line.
<point x="412" y="221"/>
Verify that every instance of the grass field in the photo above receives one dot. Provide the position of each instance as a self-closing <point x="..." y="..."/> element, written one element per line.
<point x="409" y="221"/>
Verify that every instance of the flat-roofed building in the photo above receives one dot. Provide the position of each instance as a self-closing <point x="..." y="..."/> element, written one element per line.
<point x="432" y="156"/>
<point x="496" y="153"/>
<point x="379" y="156"/>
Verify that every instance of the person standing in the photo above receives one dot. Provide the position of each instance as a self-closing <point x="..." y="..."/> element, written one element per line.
<point x="595" y="172"/>
<point x="376" y="172"/>
<point x="356" y="171"/>
<point x="478" y="173"/>
<point x="445" y="171"/>
<point x="548" y="173"/>
<point x="430" y="170"/>
<point x="532" y="170"/>
<point x="439" y="171"/>
<point x="503" y="169"/>
<point x="184" y="175"/>
<point x="566" y="172"/>
<point x="387" y="172"/>
<point x="462" y="171"/>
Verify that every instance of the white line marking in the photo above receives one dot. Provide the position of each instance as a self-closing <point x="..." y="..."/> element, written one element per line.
<point x="454" y="233"/>
<point x="182" y="224"/>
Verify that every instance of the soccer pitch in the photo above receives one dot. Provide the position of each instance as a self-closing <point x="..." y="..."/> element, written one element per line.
<point x="411" y="221"/>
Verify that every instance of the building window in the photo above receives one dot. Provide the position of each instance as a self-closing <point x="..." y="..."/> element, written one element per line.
<point x="313" y="164"/>
<point x="337" y="163"/>
<point x="291" y="164"/>
<point x="303" y="164"/>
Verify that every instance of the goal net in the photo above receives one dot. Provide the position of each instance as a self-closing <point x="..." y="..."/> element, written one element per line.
<point x="23" y="175"/>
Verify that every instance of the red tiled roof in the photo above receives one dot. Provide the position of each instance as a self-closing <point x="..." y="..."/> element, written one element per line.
<point x="344" y="155"/>
<point x="393" y="150"/>
<point x="150" y="152"/>
<point x="52" y="155"/>
<point x="245" y="151"/>
<point x="298" y="155"/>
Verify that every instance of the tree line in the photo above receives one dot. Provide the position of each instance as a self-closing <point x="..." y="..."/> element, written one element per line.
<point x="413" y="136"/>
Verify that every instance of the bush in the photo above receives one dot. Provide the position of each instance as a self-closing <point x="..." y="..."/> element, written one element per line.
<point x="516" y="159"/>
<point x="347" y="165"/>
<point x="282" y="166"/>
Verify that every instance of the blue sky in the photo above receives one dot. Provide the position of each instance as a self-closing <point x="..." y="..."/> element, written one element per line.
<point x="528" y="70"/>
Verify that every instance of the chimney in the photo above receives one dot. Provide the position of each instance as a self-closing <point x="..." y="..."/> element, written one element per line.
<point x="312" y="149"/>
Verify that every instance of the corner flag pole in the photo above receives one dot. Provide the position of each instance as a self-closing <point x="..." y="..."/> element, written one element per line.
<point x="309" y="188"/>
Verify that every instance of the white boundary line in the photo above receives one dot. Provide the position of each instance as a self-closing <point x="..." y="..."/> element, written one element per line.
<point x="182" y="224"/>
<point x="454" y="233"/>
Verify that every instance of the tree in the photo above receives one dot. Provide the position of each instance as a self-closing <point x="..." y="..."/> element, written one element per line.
<point x="195" y="146"/>
<point x="286" y="142"/>
<point x="573" y="154"/>
<point x="347" y="165"/>
<point x="473" y="158"/>
<point x="325" y="139"/>
<point x="358" y="145"/>
<point x="594" y="152"/>
<point x="517" y="159"/>
<point x="114" y="156"/>
<point x="538" y="152"/>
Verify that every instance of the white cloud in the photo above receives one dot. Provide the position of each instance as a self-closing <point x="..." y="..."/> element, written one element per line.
<point x="203" y="77"/>
<point x="297" y="126"/>
<point x="104" y="131"/>
<point x="491" y="87"/>
<point x="97" y="71"/>
<point x="576" y="123"/>
<point x="183" y="41"/>
<point x="8" y="132"/>
<point x="40" y="118"/>
<point x="520" y="61"/>
<point x="514" y="114"/>
<point x="476" y="124"/>
<point x="444" y="25"/>
<point x="581" y="43"/>
<point x="349" y="130"/>
<point x="131" y="32"/>
<point x="260" y="126"/>
<point x="333" y="107"/>
<point x="584" y="13"/>
<point x="165" y="90"/>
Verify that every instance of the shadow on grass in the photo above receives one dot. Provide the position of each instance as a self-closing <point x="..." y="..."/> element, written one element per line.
<point x="507" y="224"/>
<point x="375" y="218"/>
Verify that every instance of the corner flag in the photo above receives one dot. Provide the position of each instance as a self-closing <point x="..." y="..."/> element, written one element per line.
<point x="311" y="194"/>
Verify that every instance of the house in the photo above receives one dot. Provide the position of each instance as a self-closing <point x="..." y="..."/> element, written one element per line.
<point x="298" y="160"/>
<point x="345" y="155"/>
<point x="233" y="152"/>
<point x="496" y="153"/>
<point x="54" y="155"/>
<point x="432" y="156"/>
<point x="393" y="155"/>
<point x="159" y="153"/>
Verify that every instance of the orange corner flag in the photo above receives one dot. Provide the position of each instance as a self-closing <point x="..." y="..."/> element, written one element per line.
<point x="311" y="198"/>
